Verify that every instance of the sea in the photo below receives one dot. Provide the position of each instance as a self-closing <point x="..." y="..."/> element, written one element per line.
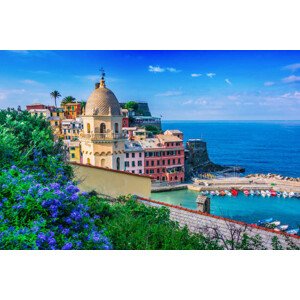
<point x="258" y="146"/>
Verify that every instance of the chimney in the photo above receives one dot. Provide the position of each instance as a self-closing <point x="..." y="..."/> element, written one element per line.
<point x="97" y="84"/>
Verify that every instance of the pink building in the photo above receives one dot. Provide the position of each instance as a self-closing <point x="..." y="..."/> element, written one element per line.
<point x="134" y="158"/>
<point x="164" y="157"/>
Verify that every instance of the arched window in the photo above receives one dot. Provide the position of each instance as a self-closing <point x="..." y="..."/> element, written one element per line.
<point x="102" y="162"/>
<point x="118" y="163"/>
<point x="88" y="161"/>
<point x="88" y="127"/>
<point x="102" y="128"/>
<point x="116" y="128"/>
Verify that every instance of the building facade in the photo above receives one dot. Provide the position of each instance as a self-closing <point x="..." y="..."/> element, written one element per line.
<point x="164" y="158"/>
<point x="134" y="157"/>
<point x="102" y="140"/>
<point x="72" y="110"/>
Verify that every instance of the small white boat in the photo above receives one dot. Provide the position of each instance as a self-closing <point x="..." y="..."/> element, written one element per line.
<point x="293" y="231"/>
<point x="212" y="193"/>
<point x="274" y="223"/>
<point x="279" y="194"/>
<point x="217" y="193"/>
<point x="252" y="192"/>
<point x="283" y="227"/>
<point x="285" y="194"/>
<point x="268" y="193"/>
<point x="257" y="193"/>
<point x="263" y="193"/>
<point x="291" y="194"/>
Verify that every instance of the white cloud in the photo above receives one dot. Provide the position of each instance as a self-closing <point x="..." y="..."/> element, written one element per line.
<point x="169" y="93"/>
<point x="228" y="81"/>
<point x="5" y="93"/>
<point x="233" y="97"/>
<point x="292" y="67"/>
<point x="196" y="75"/>
<point x="156" y="69"/>
<point x="295" y="95"/>
<point x="211" y="75"/>
<point x="291" y="79"/>
<point x="269" y="83"/>
<point x="173" y="70"/>
<point x="30" y="81"/>
<point x="199" y="101"/>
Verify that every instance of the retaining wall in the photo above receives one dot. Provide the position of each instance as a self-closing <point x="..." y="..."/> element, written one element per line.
<point x="208" y="224"/>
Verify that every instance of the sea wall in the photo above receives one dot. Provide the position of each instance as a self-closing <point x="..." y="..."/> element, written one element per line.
<point x="211" y="225"/>
<point x="111" y="182"/>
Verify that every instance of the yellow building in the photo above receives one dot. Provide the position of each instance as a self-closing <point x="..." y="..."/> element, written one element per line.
<point x="74" y="151"/>
<point x="72" y="110"/>
<point x="102" y="140"/>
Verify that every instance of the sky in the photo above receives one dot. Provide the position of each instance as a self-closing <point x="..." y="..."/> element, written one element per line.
<point x="178" y="85"/>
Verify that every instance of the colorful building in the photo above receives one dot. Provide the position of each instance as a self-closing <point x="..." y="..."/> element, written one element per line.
<point x="164" y="158"/>
<point x="134" y="157"/>
<point x="43" y="112"/>
<point x="74" y="151"/>
<point x="72" y="110"/>
<point x="125" y="119"/>
<point x="102" y="140"/>
<point x="71" y="129"/>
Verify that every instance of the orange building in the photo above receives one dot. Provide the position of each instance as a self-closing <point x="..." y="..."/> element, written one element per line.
<point x="72" y="110"/>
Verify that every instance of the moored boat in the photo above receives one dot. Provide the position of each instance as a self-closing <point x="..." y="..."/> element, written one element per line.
<point x="285" y="194"/>
<point x="257" y="193"/>
<point x="268" y="193"/>
<point x="222" y="193"/>
<point x="293" y="231"/>
<point x="263" y="193"/>
<point x="217" y="193"/>
<point x="273" y="193"/>
<point x="274" y="223"/>
<point x="278" y="194"/>
<point x="264" y="221"/>
<point x="246" y="193"/>
<point x="283" y="227"/>
<point x="291" y="194"/>
<point x="252" y="192"/>
<point x="212" y="193"/>
<point x="234" y="192"/>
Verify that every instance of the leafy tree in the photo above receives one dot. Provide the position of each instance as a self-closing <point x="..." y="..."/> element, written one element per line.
<point x="131" y="105"/>
<point x="153" y="129"/>
<point x="68" y="99"/>
<point x="55" y="94"/>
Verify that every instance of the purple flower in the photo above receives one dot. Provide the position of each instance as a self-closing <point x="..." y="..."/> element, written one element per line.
<point x="42" y="236"/>
<point x="13" y="167"/>
<point x="67" y="246"/>
<point x="68" y="220"/>
<point x="74" y="197"/>
<point x="52" y="241"/>
<point x="84" y="193"/>
<point x="55" y="186"/>
<point x="65" y="231"/>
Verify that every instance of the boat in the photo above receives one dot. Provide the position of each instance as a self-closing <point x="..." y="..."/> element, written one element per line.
<point x="278" y="194"/>
<point x="274" y="223"/>
<point x="273" y="193"/>
<point x="293" y="231"/>
<point x="246" y="193"/>
<point x="263" y="193"/>
<point x="297" y="195"/>
<point x="265" y="221"/>
<point x="291" y="194"/>
<point x="268" y="193"/>
<point x="283" y="227"/>
<point x="212" y="193"/>
<point x="217" y="193"/>
<point x="234" y="192"/>
<point x="284" y="194"/>
<point x="257" y="193"/>
<point x="252" y="192"/>
<point x="222" y="193"/>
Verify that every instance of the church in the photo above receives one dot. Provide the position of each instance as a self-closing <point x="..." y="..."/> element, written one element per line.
<point x="102" y="140"/>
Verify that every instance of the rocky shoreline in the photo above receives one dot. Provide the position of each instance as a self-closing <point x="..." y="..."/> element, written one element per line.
<point x="273" y="176"/>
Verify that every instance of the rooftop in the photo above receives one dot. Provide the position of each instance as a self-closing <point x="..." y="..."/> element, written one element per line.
<point x="168" y="138"/>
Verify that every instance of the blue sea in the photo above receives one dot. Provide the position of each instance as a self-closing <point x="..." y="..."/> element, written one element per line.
<point x="259" y="146"/>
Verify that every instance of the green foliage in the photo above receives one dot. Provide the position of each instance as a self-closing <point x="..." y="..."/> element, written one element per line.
<point x="276" y="245"/>
<point x="250" y="243"/>
<point x="68" y="99"/>
<point x="131" y="105"/>
<point x="133" y="226"/>
<point x="153" y="129"/>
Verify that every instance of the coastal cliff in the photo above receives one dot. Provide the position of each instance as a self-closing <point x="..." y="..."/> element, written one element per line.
<point x="197" y="160"/>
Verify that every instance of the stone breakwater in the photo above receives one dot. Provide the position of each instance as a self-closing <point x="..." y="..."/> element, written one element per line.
<point x="273" y="176"/>
<point x="221" y="228"/>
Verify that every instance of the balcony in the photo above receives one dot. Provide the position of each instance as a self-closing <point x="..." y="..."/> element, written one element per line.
<point x="102" y="136"/>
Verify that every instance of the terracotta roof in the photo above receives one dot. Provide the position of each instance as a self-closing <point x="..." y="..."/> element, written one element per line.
<point x="168" y="138"/>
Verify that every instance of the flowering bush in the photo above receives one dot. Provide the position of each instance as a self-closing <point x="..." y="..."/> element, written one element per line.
<point x="35" y="215"/>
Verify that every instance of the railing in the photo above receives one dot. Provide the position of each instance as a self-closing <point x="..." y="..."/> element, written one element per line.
<point x="102" y="136"/>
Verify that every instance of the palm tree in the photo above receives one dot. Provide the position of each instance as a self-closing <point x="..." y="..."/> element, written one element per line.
<point x="68" y="99"/>
<point x="55" y="95"/>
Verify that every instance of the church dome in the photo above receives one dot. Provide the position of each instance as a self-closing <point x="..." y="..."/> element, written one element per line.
<point x="102" y="102"/>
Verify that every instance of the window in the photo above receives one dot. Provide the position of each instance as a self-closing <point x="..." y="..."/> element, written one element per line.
<point x="88" y="127"/>
<point x="56" y="123"/>
<point x="133" y="163"/>
<point x="169" y="162"/>
<point x="158" y="162"/>
<point x="147" y="163"/>
<point x="140" y="171"/>
<point x="158" y="171"/>
<point x="174" y="161"/>
<point x="147" y="171"/>
<point x="140" y="163"/>
<point x="73" y="155"/>
<point x="102" y="128"/>
<point x="133" y="155"/>
<point x="126" y="164"/>
<point x="151" y="171"/>
<point x="152" y="162"/>
<point x="118" y="163"/>
<point x="140" y="154"/>
<point x="179" y="160"/>
<point x="72" y="148"/>
<point x="163" y="162"/>
<point x="132" y="172"/>
<point x="127" y="155"/>
<point x="116" y="128"/>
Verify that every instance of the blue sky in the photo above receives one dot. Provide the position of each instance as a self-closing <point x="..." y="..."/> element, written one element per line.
<point x="179" y="85"/>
